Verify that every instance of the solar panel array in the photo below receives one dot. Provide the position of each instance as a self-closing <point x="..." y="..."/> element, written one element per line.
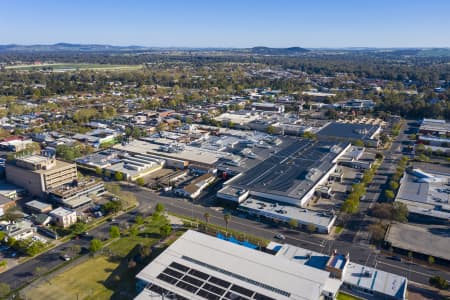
<point x="203" y="285"/>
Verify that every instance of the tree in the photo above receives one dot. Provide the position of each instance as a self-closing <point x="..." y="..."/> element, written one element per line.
<point x="78" y="227"/>
<point x="118" y="176"/>
<point x="12" y="215"/>
<point x="389" y="194"/>
<point x="98" y="171"/>
<point x="159" y="208"/>
<point x="114" y="232"/>
<point x="112" y="207"/>
<point x="377" y="232"/>
<point x="140" y="181"/>
<point x="293" y="223"/>
<point x="95" y="246"/>
<point x="271" y="129"/>
<point x="139" y="220"/>
<point x="165" y="230"/>
<point x="311" y="228"/>
<point x="439" y="282"/>
<point x="227" y="218"/>
<point x="133" y="231"/>
<point x="430" y="260"/>
<point x="393" y="185"/>
<point x="5" y="289"/>
<point x="359" y="143"/>
<point x="207" y="216"/>
<point x="400" y="212"/>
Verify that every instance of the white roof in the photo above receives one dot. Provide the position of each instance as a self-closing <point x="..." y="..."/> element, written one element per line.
<point x="252" y="269"/>
<point x="61" y="212"/>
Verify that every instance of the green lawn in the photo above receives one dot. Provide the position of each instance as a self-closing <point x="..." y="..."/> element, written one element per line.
<point x="84" y="281"/>
<point x="100" y="277"/>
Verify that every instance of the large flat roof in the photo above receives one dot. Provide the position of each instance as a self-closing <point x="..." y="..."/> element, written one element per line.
<point x="431" y="240"/>
<point x="292" y="171"/>
<point x="191" y="154"/>
<point x="303" y="215"/>
<point x="349" y="131"/>
<point x="423" y="192"/>
<point x="227" y="266"/>
<point x="355" y="274"/>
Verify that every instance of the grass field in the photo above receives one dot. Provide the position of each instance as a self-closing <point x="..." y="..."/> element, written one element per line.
<point x="84" y="281"/>
<point x="100" y="277"/>
<point x="73" y="67"/>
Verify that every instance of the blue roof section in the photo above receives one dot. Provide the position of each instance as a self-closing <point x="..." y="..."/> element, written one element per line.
<point x="237" y="242"/>
<point x="318" y="262"/>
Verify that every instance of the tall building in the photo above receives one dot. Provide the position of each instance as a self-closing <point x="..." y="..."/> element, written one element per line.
<point x="40" y="173"/>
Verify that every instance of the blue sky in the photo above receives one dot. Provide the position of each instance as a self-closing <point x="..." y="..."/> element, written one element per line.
<point x="228" y="23"/>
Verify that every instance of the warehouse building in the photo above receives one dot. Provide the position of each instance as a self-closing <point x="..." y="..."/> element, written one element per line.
<point x="321" y="222"/>
<point x="200" y="266"/>
<point x="426" y="194"/>
<point x="367" y="133"/>
<point x="290" y="175"/>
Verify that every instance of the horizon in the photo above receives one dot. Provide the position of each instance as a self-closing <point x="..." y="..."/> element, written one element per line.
<point x="231" y="24"/>
<point x="223" y="48"/>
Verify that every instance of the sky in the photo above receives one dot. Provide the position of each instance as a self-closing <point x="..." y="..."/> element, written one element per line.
<point x="228" y="23"/>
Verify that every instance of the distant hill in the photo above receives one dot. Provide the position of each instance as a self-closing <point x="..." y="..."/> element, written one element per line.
<point x="278" y="51"/>
<point x="66" y="47"/>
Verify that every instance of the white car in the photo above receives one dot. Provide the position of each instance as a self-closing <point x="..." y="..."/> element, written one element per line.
<point x="280" y="236"/>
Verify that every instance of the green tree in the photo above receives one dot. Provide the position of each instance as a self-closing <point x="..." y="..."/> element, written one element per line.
<point x="112" y="207"/>
<point x="114" y="232"/>
<point x="118" y="176"/>
<point x="359" y="143"/>
<point x="439" y="282"/>
<point x="78" y="227"/>
<point x="95" y="246"/>
<point x="389" y="194"/>
<point x="134" y="231"/>
<point x="227" y="219"/>
<point x="140" y="181"/>
<point x="159" y="208"/>
<point x="430" y="260"/>
<point x="311" y="228"/>
<point x="165" y="230"/>
<point x="271" y="129"/>
<point x="393" y="185"/>
<point x="293" y="223"/>
<point x="98" y="171"/>
<point x="139" y="220"/>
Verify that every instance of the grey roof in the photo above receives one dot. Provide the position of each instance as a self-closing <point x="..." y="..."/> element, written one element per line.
<point x="293" y="171"/>
<point x="286" y="213"/>
<point x="425" y="193"/>
<point x="348" y="131"/>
